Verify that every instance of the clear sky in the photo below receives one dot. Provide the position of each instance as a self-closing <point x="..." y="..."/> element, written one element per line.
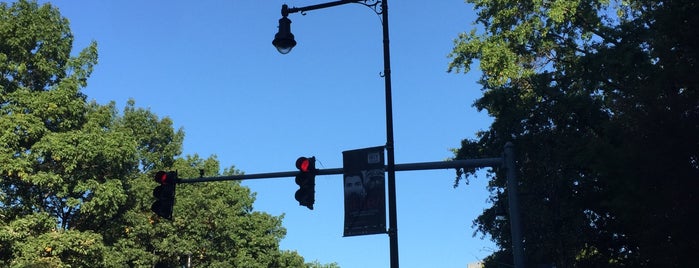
<point x="211" y="67"/>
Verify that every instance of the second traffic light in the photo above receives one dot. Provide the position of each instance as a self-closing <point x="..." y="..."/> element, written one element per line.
<point x="164" y="194"/>
<point x="306" y="179"/>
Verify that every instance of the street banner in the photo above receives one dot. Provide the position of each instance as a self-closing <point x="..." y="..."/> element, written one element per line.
<point x="365" y="191"/>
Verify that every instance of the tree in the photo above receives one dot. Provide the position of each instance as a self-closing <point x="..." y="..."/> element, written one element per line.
<point x="60" y="168"/>
<point x="600" y="99"/>
<point x="76" y="177"/>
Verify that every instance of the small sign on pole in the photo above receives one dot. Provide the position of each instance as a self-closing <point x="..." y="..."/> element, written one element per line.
<point x="365" y="191"/>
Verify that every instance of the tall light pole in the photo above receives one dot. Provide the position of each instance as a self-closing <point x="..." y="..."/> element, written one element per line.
<point x="284" y="42"/>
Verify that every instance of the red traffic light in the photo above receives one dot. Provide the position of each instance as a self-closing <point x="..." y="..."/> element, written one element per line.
<point x="305" y="195"/>
<point x="305" y="164"/>
<point x="164" y="193"/>
<point x="161" y="177"/>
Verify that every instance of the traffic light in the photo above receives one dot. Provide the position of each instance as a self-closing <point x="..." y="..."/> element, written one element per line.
<point x="164" y="194"/>
<point x="306" y="179"/>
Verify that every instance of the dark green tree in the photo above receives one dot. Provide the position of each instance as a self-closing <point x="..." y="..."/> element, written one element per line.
<point x="76" y="177"/>
<point x="600" y="99"/>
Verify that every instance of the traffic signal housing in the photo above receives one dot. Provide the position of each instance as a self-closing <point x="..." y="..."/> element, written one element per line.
<point x="164" y="194"/>
<point x="306" y="179"/>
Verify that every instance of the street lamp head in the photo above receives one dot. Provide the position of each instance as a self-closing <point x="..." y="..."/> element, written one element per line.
<point x="284" y="39"/>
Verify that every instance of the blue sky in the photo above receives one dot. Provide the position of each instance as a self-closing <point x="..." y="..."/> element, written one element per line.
<point x="211" y="67"/>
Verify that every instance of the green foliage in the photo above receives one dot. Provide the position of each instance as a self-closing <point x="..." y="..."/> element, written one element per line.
<point x="76" y="178"/>
<point x="604" y="112"/>
<point x="68" y="248"/>
<point x="36" y="45"/>
<point x="316" y="264"/>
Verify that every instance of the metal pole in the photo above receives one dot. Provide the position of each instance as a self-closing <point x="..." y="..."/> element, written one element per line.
<point x="391" y="165"/>
<point x="467" y="163"/>
<point x="314" y="7"/>
<point x="513" y="198"/>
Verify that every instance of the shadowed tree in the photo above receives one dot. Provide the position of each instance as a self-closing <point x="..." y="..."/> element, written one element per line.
<point x="600" y="99"/>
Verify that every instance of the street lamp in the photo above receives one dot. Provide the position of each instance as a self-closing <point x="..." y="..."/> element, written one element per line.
<point x="284" y="42"/>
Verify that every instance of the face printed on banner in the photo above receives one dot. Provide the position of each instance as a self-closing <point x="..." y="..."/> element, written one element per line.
<point x="354" y="186"/>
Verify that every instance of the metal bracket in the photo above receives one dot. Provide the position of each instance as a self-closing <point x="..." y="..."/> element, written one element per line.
<point x="374" y="5"/>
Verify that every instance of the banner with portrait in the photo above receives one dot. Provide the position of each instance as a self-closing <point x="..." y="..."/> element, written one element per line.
<point x="365" y="191"/>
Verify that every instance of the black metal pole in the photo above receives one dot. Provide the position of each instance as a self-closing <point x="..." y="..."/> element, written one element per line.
<point x="513" y="198"/>
<point x="467" y="163"/>
<point x="390" y="149"/>
<point x="286" y="11"/>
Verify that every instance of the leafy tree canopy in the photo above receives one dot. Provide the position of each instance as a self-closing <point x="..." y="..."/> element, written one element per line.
<point x="600" y="99"/>
<point x="76" y="176"/>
